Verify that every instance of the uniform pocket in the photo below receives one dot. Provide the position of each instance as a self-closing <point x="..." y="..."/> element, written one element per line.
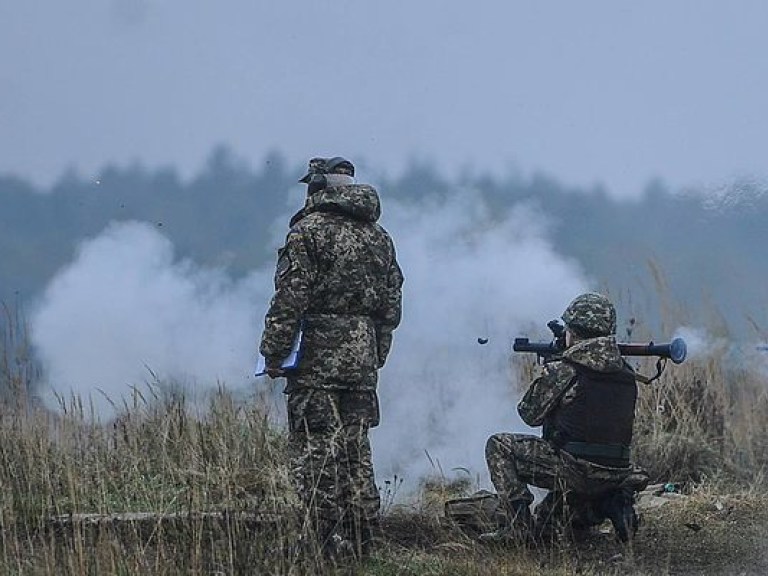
<point x="313" y="410"/>
<point x="360" y="407"/>
<point x="339" y="348"/>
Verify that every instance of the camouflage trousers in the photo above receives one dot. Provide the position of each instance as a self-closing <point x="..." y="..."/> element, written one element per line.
<point x="517" y="460"/>
<point x="330" y="458"/>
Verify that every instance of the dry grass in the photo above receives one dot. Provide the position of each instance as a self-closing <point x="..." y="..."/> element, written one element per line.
<point x="704" y="421"/>
<point x="156" y="458"/>
<point x="701" y="424"/>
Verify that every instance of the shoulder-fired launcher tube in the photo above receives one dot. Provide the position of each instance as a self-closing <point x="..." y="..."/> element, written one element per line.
<point x="676" y="350"/>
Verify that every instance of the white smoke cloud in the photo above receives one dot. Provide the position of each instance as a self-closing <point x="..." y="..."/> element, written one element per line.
<point x="700" y="343"/>
<point x="731" y="354"/>
<point x="125" y="304"/>
<point x="124" y="307"/>
<point x="467" y="277"/>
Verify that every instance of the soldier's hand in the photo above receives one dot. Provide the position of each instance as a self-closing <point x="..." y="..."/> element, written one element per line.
<point x="274" y="370"/>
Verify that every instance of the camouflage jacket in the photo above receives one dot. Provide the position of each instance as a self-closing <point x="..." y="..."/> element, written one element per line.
<point x="338" y="275"/>
<point x="554" y="388"/>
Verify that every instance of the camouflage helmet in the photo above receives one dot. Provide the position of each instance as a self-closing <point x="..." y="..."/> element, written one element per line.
<point x="335" y="165"/>
<point x="590" y="315"/>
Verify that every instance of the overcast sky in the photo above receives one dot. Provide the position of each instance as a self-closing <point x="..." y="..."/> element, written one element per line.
<point x="611" y="92"/>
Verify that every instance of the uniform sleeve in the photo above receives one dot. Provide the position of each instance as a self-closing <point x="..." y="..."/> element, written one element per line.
<point x="388" y="317"/>
<point x="545" y="392"/>
<point x="294" y="277"/>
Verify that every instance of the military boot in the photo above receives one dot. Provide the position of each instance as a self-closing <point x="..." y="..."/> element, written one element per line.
<point x="549" y="517"/>
<point x="619" y="508"/>
<point x="518" y="528"/>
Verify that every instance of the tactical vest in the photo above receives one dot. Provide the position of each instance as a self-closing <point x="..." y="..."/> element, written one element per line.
<point x="596" y="423"/>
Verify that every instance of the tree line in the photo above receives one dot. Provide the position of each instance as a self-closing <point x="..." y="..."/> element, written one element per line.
<point x="702" y="250"/>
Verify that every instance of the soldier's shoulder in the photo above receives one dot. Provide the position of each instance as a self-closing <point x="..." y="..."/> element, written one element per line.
<point x="308" y="224"/>
<point x="559" y="370"/>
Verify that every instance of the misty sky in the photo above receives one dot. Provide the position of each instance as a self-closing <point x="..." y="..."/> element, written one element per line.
<point x="611" y="92"/>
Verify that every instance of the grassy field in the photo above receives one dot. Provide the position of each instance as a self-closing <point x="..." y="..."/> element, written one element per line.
<point x="212" y="485"/>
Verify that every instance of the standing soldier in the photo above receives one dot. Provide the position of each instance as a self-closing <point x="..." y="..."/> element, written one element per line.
<point x="338" y="280"/>
<point x="585" y="401"/>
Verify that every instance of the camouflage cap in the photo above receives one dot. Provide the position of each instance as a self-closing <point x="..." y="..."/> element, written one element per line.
<point x="590" y="315"/>
<point x="335" y="165"/>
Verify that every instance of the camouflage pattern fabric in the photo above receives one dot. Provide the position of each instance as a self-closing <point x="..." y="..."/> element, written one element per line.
<point x="517" y="460"/>
<point x="338" y="166"/>
<point x="338" y="272"/>
<point x="554" y="387"/>
<point x="338" y="275"/>
<point x="331" y="459"/>
<point x="590" y="315"/>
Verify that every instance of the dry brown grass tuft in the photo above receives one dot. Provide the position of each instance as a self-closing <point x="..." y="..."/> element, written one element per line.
<point x="156" y="457"/>
<point x="703" y="423"/>
<point x="702" y="420"/>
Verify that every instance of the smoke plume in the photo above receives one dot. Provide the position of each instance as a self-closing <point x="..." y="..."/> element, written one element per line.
<point x="126" y="305"/>
<point x="469" y="277"/>
<point x="699" y="343"/>
<point x="125" y="313"/>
